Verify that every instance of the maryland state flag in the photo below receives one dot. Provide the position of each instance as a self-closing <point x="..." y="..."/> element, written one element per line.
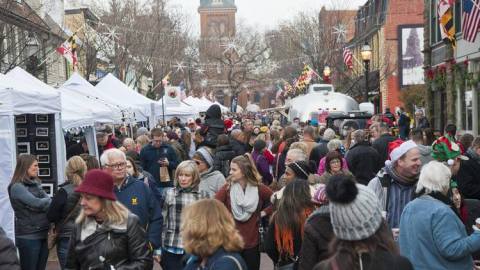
<point x="445" y="18"/>
<point x="304" y="78"/>
<point x="69" y="50"/>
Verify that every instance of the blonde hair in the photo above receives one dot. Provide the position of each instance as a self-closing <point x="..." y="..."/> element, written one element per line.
<point x="299" y="145"/>
<point x="75" y="170"/>
<point x="142" y="140"/>
<point x="206" y="226"/>
<point x="114" y="212"/>
<point x="188" y="167"/>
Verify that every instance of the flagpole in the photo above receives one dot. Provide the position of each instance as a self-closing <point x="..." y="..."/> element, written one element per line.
<point x="54" y="51"/>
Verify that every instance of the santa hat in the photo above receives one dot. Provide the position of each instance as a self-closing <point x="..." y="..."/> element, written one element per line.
<point x="398" y="148"/>
<point x="228" y="124"/>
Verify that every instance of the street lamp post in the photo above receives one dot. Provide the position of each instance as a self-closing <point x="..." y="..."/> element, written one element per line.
<point x="326" y="74"/>
<point x="366" y="53"/>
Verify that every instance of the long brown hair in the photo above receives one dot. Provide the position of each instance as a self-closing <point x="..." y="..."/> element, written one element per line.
<point x="345" y="253"/>
<point x="293" y="210"/>
<point x="21" y="169"/>
<point x="246" y="165"/>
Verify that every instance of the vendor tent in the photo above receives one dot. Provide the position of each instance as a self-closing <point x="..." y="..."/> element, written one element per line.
<point x="116" y="90"/>
<point x="183" y="111"/>
<point x="17" y="98"/>
<point x="223" y="108"/>
<point x="201" y="104"/>
<point x="105" y="110"/>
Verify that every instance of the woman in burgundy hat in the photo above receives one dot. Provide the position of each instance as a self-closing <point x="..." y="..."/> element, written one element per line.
<point x="106" y="234"/>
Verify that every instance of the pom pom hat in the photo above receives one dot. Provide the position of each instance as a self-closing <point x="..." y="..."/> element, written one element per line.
<point x="98" y="183"/>
<point x="354" y="209"/>
<point x="398" y="148"/>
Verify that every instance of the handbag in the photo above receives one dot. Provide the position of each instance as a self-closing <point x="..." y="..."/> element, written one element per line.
<point x="53" y="234"/>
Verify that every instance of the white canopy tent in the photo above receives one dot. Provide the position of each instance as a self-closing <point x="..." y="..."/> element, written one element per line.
<point x="201" y="104"/>
<point x="223" y="108"/>
<point x="116" y="90"/>
<point x="183" y="111"/>
<point x="17" y="98"/>
<point x="104" y="110"/>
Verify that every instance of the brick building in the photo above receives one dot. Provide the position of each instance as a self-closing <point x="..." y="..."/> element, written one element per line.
<point x="382" y="24"/>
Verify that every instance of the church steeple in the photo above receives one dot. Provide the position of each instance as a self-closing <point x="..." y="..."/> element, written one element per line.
<point x="217" y="4"/>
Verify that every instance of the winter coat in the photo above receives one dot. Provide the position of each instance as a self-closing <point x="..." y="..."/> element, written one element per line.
<point x="149" y="157"/>
<point x="263" y="167"/>
<point x="223" y="155"/>
<point x="211" y="181"/>
<point x="30" y="204"/>
<point x="214" y="125"/>
<point x="404" y="126"/>
<point x="64" y="204"/>
<point x="433" y="237"/>
<point x="138" y="198"/>
<point x="238" y="147"/>
<point x="317" y="234"/>
<point x="248" y="229"/>
<point x="179" y="151"/>
<point x="122" y="246"/>
<point x="176" y="199"/>
<point x="220" y="260"/>
<point x="8" y="253"/>
<point x="422" y="122"/>
<point x="318" y="152"/>
<point x="363" y="161"/>
<point x="381" y="145"/>
<point x="468" y="177"/>
<point x="425" y="153"/>
<point x="379" y="260"/>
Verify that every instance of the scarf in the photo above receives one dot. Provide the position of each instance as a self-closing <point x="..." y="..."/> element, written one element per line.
<point x="284" y="238"/>
<point x="390" y="170"/>
<point x="243" y="204"/>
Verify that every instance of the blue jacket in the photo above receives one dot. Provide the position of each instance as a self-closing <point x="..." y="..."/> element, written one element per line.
<point x="149" y="157"/>
<point x="433" y="237"/>
<point x="220" y="260"/>
<point x="137" y="197"/>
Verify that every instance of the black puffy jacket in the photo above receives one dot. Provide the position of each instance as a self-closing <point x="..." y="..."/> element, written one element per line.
<point x="363" y="161"/>
<point x="123" y="247"/>
<point x="214" y="125"/>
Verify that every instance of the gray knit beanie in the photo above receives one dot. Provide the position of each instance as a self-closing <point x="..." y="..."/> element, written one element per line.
<point x="354" y="209"/>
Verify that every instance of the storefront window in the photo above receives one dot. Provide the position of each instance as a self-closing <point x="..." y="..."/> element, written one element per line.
<point x="468" y="110"/>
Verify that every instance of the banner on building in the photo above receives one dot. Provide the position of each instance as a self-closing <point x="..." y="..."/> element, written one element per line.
<point x="172" y="96"/>
<point x="410" y="58"/>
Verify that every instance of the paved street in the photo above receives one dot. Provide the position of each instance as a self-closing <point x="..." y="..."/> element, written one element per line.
<point x="266" y="264"/>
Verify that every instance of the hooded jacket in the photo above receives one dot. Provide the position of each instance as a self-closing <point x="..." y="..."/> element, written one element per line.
<point x="468" y="177"/>
<point x="363" y="161"/>
<point x="211" y="181"/>
<point x="214" y="125"/>
<point x="223" y="154"/>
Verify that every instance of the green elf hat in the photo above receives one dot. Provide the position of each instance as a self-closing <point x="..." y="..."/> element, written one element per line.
<point x="453" y="184"/>
<point x="445" y="150"/>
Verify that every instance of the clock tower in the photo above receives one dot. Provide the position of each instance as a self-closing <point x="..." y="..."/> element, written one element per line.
<point x="217" y="28"/>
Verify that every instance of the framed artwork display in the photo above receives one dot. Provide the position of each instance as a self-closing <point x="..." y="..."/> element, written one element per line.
<point x="42" y="146"/>
<point x="21" y="132"/>
<point x="48" y="187"/>
<point x="21" y="119"/>
<point x="43" y="159"/>
<point x="43" y="172"/>
<point x="41" y="118"/>
<point x="23" y="148"/>
<point x="41" y="132"/>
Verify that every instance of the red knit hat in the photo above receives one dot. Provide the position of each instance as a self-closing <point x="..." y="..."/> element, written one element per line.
<point x="98" y="183"/>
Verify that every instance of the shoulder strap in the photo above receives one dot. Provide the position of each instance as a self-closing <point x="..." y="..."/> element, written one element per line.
<point x="70" y="214"/>
<point x="239" y="265"/>
<point x="386" y="181"/>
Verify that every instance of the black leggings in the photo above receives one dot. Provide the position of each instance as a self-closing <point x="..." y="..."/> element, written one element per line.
<point x="252" y="258"/>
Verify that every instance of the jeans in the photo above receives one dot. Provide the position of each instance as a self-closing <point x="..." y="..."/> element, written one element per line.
<point x="171" y="261"/>
<point x="62" y="250"/>
<point x="33" y="253"/>
<point x="252" y="258"/>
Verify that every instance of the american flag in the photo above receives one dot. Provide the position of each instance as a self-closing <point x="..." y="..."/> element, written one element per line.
<point x="348" y="58"/>
<point x="470" y="19"/>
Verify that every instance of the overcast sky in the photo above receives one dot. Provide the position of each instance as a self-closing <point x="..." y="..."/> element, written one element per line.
<point x="266" y="14"/>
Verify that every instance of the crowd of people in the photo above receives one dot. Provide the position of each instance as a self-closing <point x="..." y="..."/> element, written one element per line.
<point x="214" y="193"/>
